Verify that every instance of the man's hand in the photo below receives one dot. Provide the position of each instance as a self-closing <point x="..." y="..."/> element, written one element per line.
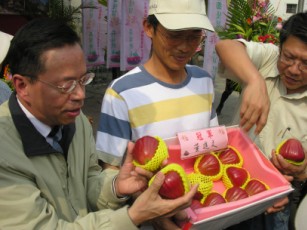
<point x="297" y="171"/>
<point x="170" y="223"/>
<point x="149" y="205"/>
<point x="278" y="205"/>
<point x="255" y="105"/>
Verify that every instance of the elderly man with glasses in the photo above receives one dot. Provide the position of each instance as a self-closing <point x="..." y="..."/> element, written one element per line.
<point x="284" y="72"/>
<point x="49" y="172"/>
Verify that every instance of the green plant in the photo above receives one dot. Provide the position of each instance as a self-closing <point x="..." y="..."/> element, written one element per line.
<point x="251" y="20"/>
<point x="54" y="9"/>
<point x="58" y="10"/>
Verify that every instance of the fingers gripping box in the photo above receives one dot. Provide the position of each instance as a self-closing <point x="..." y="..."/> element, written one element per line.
<point x="227" y="214"/>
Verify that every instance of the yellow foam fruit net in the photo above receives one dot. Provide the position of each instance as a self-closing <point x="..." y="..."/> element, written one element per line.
<point x="226" y="180"/>
<point x="205" y="184"/>
<point x="240" y="163"/>
<point x="214" y="177"/>
<point x="160" y="155"/>
<point x="177" y="168"/>
<point x="290" y="161"/>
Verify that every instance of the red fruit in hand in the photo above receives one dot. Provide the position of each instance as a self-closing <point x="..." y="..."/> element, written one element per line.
<point x="144" y="149"/>
<point x="172" y="187"/>
<point x="214" y="198"/>
<point x="292" y="150"/>
<point x="229" y="156"/>
<point x="255" y="186"/>
<point x="237" y="176"/>
<point x="209" y="165"/>
<point x="235" y="193"/>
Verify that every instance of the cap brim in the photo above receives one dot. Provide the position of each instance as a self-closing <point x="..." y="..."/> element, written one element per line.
<point x="184" y="21"/>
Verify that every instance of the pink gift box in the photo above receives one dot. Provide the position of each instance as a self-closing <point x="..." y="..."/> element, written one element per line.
<point x="259" y="167"/>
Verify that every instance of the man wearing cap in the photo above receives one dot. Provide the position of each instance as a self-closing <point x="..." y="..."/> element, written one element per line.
<point x="5" y="40"/>
<point x="165" y="95"/>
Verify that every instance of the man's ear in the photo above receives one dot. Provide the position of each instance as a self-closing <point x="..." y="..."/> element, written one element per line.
<point x="148" y="28"/>
<point x="21" y="85"/>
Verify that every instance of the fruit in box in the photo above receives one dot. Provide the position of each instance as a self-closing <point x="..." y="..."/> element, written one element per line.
<point x="292" y="150"/>
<point x="213" y="198"/>
<point x="235" y="176"/>
<point x="230" y="156"/>
<point x="196" y="204"/>
<point x="176" y="182"/>
<point x="149" y="152"/>
<point x="235" y="193"/>
<point x="209" y="165"/>
<point x="255" y="186"/>
<point x="205" y="184"/>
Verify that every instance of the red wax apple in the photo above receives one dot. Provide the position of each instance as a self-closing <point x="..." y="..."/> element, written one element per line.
<point x="144" y="149"/>
<point x="255" y="186"/>
<point x="214" y="198"/>
<point x="237" y="176"/>
<point x="292" y="150"/>
<point x="235" y="193"/>
<point x="172" y="187"/>
<point x="198" y="195"/>
<point x="229" y="156"/>
<point x="209" y="165"/>
<point x="196" y="205"/>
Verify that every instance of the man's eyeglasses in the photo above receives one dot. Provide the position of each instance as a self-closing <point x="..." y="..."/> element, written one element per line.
<point x="174" y="39"/>
<point x="70" y="85"/>
<point x="289" y="61"/>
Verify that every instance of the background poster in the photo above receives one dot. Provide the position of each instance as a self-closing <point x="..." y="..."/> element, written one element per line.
<point x="114" y="33"/>
<point x="135" y="45"/>
<point x="94" y="32"/>
<point x="217" y="11"/>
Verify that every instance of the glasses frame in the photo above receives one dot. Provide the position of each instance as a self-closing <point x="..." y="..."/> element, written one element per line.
<point x="67" y="90"/>
<point x="291" y="61"/>
<point x="174" y="40"/>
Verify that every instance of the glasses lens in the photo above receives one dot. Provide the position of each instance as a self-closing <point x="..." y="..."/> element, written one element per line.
<point x="286" y="60"/>
<point x="304" y="68"/>
<point x="173" y="38"/>
<point x="69" y="86"/>
<point x="87" y="79"/>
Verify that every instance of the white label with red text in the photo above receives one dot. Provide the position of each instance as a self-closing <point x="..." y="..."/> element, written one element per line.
<point x="194" y="143"/>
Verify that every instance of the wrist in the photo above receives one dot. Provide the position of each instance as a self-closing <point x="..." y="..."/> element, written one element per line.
<point x="254" y="79"/>
<point x="135" y="217"/>
<point x="114" y="190"/>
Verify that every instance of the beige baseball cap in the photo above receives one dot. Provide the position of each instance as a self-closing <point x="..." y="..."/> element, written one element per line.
<point x="5" y="41"/>
<point x="181" y="14"/>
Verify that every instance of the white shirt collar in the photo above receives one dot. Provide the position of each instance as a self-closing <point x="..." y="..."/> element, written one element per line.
<point x="40" y="126"/>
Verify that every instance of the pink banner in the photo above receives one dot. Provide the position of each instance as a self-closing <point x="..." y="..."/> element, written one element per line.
<point x="217" y="11"/>
<point x="135" y="45"/>
<point x="114" y="33"/>
<point x="94" y="32"/>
